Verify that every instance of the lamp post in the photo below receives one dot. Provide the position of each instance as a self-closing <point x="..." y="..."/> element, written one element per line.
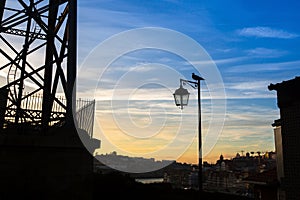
<point x="181" y="97"/>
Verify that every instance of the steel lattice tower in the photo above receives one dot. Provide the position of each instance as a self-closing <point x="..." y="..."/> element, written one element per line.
<point x="37" y="62"/>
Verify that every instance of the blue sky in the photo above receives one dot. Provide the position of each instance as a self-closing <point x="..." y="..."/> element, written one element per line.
<point x="252" y="43"/>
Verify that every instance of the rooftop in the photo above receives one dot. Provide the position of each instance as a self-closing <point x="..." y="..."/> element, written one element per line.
<point x="289" y="83"/>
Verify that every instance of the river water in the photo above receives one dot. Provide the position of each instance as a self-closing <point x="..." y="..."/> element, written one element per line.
<point x="149" y="180"/>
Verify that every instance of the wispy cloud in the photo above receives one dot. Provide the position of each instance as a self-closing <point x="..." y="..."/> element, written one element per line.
<point x="266" y="32"/>
<point x="248" y="89"/>
<point x="251" y="85"/>
<point x="259" y="67"/>
<point x="217" y="61"/>
<point x="265" y="53"/>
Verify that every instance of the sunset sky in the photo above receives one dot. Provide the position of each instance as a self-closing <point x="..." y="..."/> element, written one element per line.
<point x="251" y="44"/>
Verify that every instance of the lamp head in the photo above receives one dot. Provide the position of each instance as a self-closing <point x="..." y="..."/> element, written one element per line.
<point x="181" y="97"/>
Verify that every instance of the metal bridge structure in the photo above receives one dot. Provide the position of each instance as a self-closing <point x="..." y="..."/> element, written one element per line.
<point x="42" y="124"/>
<point x="38" y="64"/>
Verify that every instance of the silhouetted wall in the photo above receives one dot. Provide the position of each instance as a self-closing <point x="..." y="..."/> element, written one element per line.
<point x="288" y="98"/>
<point x="45" y="167"/>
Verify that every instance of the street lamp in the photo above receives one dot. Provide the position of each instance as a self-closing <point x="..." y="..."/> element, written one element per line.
<point x="181" y="97"/>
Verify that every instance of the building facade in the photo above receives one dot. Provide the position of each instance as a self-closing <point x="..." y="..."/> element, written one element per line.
<point x="287" y="137"/>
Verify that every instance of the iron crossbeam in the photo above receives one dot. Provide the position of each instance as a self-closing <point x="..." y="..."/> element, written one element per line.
<point x="23" y="33"/>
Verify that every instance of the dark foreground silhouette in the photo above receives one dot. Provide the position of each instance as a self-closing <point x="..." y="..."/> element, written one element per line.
<point x="117" y="186"/>
<point x="113" y="186"/>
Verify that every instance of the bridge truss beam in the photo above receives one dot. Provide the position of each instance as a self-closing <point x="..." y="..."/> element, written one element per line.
<point x="38" y="57"/>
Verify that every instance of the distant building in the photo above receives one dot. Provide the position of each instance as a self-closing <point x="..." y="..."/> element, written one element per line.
<point x="263" y="185"/>
<point x="231" y="175"/>
<point x="106" y="162"/>
<point x="279" y="157"/>
<point x="287" y="137"/>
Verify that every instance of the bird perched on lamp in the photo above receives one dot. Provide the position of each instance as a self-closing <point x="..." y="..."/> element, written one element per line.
<point x="196" y="77"/>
